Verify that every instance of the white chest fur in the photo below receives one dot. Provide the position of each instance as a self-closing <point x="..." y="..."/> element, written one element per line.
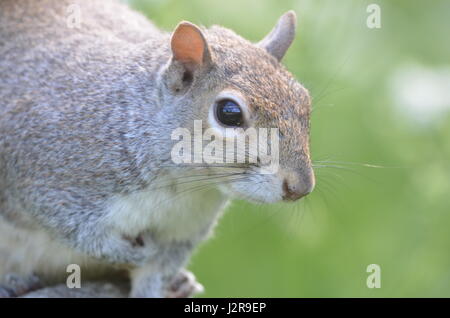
<point x="171" y="214"/>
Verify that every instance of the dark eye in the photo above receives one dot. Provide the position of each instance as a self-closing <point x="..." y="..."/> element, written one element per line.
<point x="229" y="113"/>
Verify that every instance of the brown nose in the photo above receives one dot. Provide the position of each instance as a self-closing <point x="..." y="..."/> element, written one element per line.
<point x="297" y="185"/>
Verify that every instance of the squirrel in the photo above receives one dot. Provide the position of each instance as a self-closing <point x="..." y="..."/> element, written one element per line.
<point x="86" y="115"/>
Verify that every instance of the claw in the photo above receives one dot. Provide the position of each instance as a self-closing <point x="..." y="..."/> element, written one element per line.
<point x="6" y="292"/>
<point x="16" y="285"/>
<point x="184" y="285"/>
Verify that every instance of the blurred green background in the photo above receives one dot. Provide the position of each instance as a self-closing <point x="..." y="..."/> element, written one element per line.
<point x="381" y="97"/>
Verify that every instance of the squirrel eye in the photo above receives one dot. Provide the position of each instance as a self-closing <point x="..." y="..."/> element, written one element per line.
<point x="229" y="113"/>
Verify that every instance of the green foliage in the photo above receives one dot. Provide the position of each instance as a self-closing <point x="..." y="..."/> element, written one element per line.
<point x="397" y="216"/>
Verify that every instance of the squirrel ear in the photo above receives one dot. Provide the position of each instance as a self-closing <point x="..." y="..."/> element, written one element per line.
<point x="280" y="38"/>
<point x="189" y="46"/>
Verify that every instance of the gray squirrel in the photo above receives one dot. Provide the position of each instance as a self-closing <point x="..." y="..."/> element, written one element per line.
<point x="86" y="115"/>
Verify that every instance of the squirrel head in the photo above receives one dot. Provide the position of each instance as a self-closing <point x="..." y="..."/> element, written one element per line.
<point x="218" y="77"/>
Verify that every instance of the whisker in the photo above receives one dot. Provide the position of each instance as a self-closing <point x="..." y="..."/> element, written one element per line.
<point x="361" y="164"/>
<point x="171" y="183"/>
<point x="198" y="188"/>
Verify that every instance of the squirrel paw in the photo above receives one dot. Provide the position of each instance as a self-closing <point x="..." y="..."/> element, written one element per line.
<point x="184" y="285"/>
<point x="15" y="285"/>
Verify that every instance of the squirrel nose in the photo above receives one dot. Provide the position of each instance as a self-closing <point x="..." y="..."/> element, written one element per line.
<point x="298" y="185"/>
